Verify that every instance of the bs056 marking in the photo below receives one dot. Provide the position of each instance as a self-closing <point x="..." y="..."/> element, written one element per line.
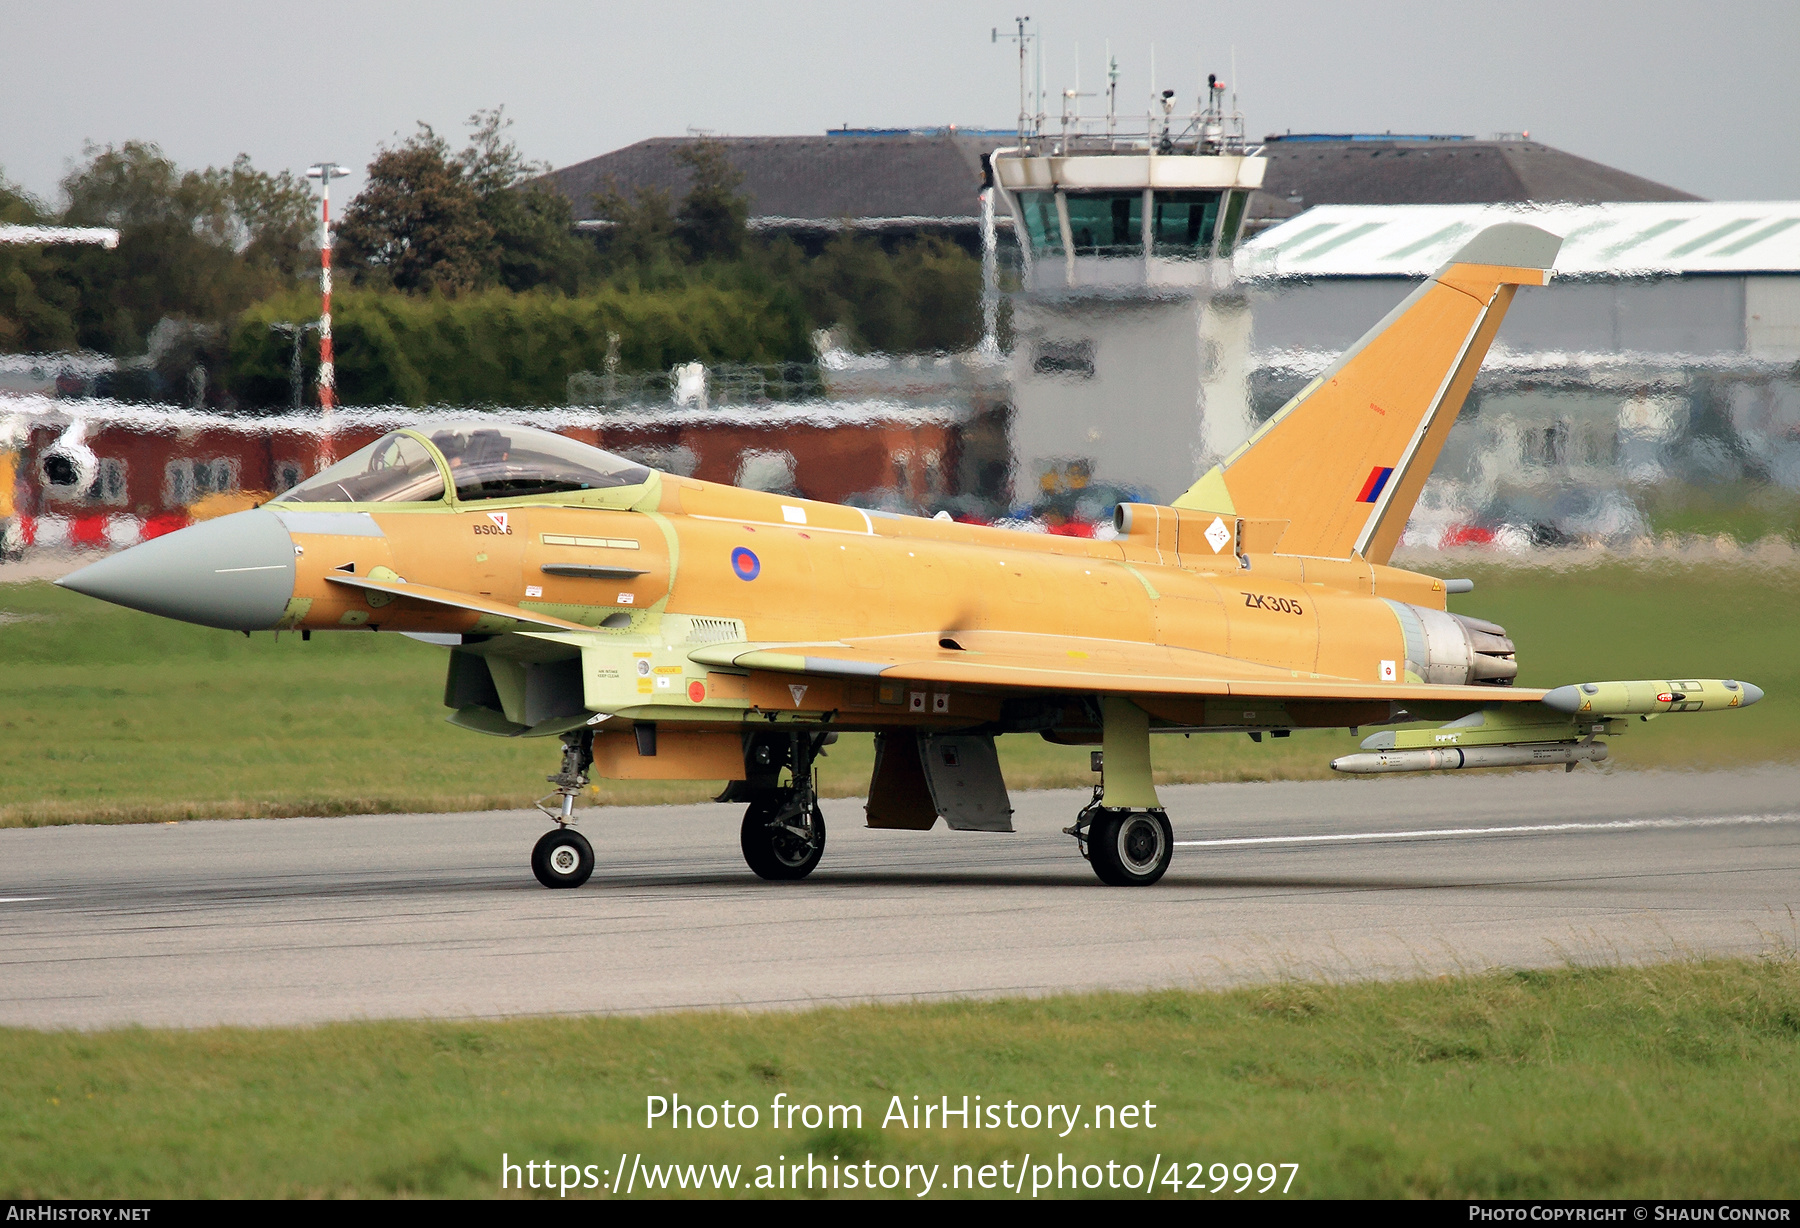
<point x="1280" y="605"/>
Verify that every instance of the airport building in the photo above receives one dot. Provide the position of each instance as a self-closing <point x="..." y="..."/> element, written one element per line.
<point x="892" y="182"/>
<point x="1137" y="365"/>
<point x="97" y="475"/>
<point x="1307" y="170"/>
<point x="901" y="182"/>
<point x="1660" y="361"/>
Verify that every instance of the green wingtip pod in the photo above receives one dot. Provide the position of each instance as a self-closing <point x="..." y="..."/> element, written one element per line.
<point x="1653" y="697"/>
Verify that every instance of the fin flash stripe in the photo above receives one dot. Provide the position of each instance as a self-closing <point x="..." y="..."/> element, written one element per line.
<point x="1378" y="478"/>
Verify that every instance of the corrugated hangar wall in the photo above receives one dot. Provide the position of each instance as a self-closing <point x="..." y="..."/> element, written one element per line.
<point x="1695" y="315"/>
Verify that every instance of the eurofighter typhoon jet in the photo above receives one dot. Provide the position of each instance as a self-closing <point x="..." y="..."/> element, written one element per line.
<point x="666" y="628"/>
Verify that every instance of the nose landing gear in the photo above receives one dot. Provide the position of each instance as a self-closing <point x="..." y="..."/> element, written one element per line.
<point x="563" y="857"/>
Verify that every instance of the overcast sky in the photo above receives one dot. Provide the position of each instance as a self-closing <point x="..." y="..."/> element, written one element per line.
<point x="1698" y="96"/>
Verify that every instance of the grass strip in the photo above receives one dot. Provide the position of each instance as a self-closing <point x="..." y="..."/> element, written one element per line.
<point x="107" y="715"/>
<point x="1676" y="1080"/>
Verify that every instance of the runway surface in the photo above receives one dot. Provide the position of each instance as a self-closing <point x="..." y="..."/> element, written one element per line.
<point x="299" y="920"/>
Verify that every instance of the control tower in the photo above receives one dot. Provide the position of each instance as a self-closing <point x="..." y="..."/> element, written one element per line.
<point x="1129" y="335"/>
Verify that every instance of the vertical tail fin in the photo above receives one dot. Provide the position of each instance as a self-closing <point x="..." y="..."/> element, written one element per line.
<point x="1344" y="461"/>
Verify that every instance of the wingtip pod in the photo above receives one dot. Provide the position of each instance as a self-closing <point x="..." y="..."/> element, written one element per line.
<point x="1511" y="245"/>
<point x="1653" y="696"/>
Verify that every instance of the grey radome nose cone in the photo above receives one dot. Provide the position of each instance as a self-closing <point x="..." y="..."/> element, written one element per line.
<point x="1564" y="699"/>
<point x="236" y="572"/>
<point x="1752" y="693"/>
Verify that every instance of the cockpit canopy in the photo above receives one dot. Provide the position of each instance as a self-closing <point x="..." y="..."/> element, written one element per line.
<point x="480" y="461"/>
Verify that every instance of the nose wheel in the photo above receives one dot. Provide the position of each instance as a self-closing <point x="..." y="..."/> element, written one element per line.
<point x="562" y="858"/>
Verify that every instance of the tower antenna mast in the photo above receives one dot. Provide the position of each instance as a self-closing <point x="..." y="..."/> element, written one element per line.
<point x="1112" y="93"/>
<point x="325" y="172"/>
<point x="1024" y="39"/>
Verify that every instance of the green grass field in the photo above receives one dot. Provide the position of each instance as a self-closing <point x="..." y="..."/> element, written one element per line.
<point x="107" y="715"/>
<point x="1746" y="512"/>
<point x="1669" y="1081"/>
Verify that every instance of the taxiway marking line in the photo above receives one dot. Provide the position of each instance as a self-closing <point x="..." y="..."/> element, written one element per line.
<point x="22" y="899"/>
<point x="1532" y="829"/>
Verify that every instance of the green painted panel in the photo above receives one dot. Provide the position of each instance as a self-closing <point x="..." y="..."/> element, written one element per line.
<point x="1644" y="236"/>
<point x="1338" y="240"/>
<point x="1751" y="240"/>
<point x="1694" y="245"/>
<point x="1453" y="231"/>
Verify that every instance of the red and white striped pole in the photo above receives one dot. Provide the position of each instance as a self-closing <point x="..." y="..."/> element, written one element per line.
<point x="325" y="172"/>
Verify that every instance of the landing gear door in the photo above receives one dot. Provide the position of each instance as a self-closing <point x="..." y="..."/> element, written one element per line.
<point x="963" y="771"/>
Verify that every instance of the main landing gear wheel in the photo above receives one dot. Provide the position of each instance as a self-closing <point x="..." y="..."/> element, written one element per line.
<point x="1130" y="848"/>
<point x="563" y="858"/>
<point x="779" y="845"/>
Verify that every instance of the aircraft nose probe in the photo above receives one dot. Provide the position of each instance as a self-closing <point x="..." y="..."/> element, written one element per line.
<point x="235" y="573"/>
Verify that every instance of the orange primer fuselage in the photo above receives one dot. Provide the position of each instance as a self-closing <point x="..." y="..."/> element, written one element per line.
<point x="823" y="572"/>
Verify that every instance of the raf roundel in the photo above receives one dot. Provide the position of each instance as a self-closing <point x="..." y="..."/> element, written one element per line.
<point x="745" y="563"/>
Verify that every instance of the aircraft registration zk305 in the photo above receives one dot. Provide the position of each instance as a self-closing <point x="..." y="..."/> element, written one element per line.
<point x="666" y="628"/>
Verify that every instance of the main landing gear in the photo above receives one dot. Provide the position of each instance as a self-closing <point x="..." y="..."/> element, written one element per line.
<point x="563" y="857"/>
<point x="1123" y="832"/>
<point x="783" y="835"/>
<point x="1127" y="848"/>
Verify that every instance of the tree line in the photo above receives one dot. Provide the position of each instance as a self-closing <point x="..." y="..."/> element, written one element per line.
<point x="461" y="278"/>
<point x="193" y="245"/>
